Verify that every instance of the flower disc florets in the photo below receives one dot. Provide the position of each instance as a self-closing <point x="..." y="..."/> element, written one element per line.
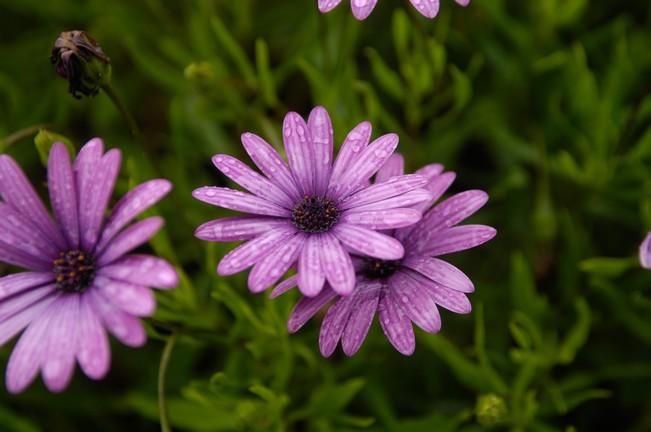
<point x="74" y="271"/>
<point x="315" y="214"/>
<point x="379" y="269"/>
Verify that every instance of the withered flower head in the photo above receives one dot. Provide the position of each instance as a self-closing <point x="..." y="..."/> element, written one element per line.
<point x="78" y="58"/>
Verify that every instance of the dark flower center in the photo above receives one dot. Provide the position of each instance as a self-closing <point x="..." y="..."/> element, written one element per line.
<point x="74" y="271"/>
<point x="379" y="269"/>
<point x="315" y="214"/>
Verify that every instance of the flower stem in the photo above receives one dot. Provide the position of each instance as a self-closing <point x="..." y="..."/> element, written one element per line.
<point x="19" y="135"/>
<point x="122" y="108"/>
<point x="162" y="404"/>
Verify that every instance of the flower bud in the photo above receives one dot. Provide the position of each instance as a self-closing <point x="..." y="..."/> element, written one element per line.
<point x="490" y="410"/>
<point x="79" y="59"/>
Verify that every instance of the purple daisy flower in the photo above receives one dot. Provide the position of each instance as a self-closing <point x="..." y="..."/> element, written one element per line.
<point x="645" y="252"/>
<point x="363" y="8"/>
<point x="79" y="281"/>
<point x="312" y="212"/>
<point x="405" y="290"/>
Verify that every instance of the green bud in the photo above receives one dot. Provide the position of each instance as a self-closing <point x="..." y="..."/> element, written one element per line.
<point x="45" y="139"/>
<point x="79" y="59"/>
<point x="490" y="410"/>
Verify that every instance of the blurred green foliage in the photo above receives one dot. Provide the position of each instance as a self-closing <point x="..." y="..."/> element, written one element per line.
<point x="545" y="104"/>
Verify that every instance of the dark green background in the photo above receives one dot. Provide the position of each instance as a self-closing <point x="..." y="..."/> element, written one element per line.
<point x="545" y="104"/>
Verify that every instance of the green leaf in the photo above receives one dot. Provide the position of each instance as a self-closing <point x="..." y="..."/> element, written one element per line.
<point x="578" y="335"/>
<point x="609" y="267"/>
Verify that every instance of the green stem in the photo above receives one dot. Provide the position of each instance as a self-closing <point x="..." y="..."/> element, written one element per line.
<point x="19" y="135"/>
<point x="162" y="404"/>
<point x="122" y="108"/>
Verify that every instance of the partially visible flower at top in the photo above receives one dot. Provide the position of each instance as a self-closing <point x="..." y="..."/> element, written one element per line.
<point x="313" y="212"/>
<point x="80" y="60"/>
<point x="80" y="279"/>
<point x="645" y="252"/>
<point x="405" y="290"/>
<point x="363" y="8"/>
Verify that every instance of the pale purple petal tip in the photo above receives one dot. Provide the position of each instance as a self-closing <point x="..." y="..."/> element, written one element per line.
<point x="283" y="287"/>
<point x="645" y="252"/>
<point x="362" y="8"/>
<point x="328" y="5"/>
<point x="427" y="8"/>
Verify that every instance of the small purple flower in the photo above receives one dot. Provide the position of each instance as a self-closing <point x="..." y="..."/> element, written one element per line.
<point x="313" y="212"/>
<point x="363" y="8"/>
<point x="79" y="281"/>
<point x="645" y="252"/>
<point x="405" y="290"/>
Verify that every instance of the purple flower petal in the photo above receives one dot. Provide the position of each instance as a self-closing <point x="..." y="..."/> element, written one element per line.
<point x="393" y="167"/>
<point x="266" y="272"/>
<point x="86" y="163"/>
<point x="16" y="283"/>
<point x="334" y="323"/>
<point x="382" y="191"/>
<point x="299" y="149"/>
<point x="19" y="194"/>
<point x="382" y="219"/>
<point x="63" y="193"/>
<point x="450" y="299"/>
<point x="430" y="171"/>
<point x="440" y="272"/>
<point x="237" y="228"/>
<point x="645" y="252"/>
<point x="362" y="8"/>
<point x="270" y="163"/>
<point x="367" y="242"/>
<point x="93" y="350"/>
<point x="24" y="300"/>
<point x="131" y="298"/>
<point x="437" y="187"/>
<point x="14" y="324"/>
<point x="463" y="2"/>
<point x="408" y="199"/>
<point x="126" y="328"/>
<point x="129" y="239"/>
<point x="310" y="274"/>
<point x="415" y="301"/>
<point x="328" y="5"/>
<point x="240" y="201"/>
<point x="307" y="307"/>
<point x="131" y="205"/>
<point x="367" y="296"/>
<point x="284" y="286"/>
<point x="320" y="127"/>
<point x="355" y="142"/>
<point x="428" y="8"/>
<point x="93" y="206"/>
<point x="144" y="270"/>
<point x="61" y="343"/>
<point x="337" y="265"/>
<point x="249" y="253"/>
<point x="453" y="239"/>
<point x="29" y="352"/>
<point x="450" y="212"/>
<point x="20" y="234"/>
<point x="250" y="180"/>
<point x="396" y="325"/>
<point x="363" y="167"/>
<point x="11" y="255"/>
